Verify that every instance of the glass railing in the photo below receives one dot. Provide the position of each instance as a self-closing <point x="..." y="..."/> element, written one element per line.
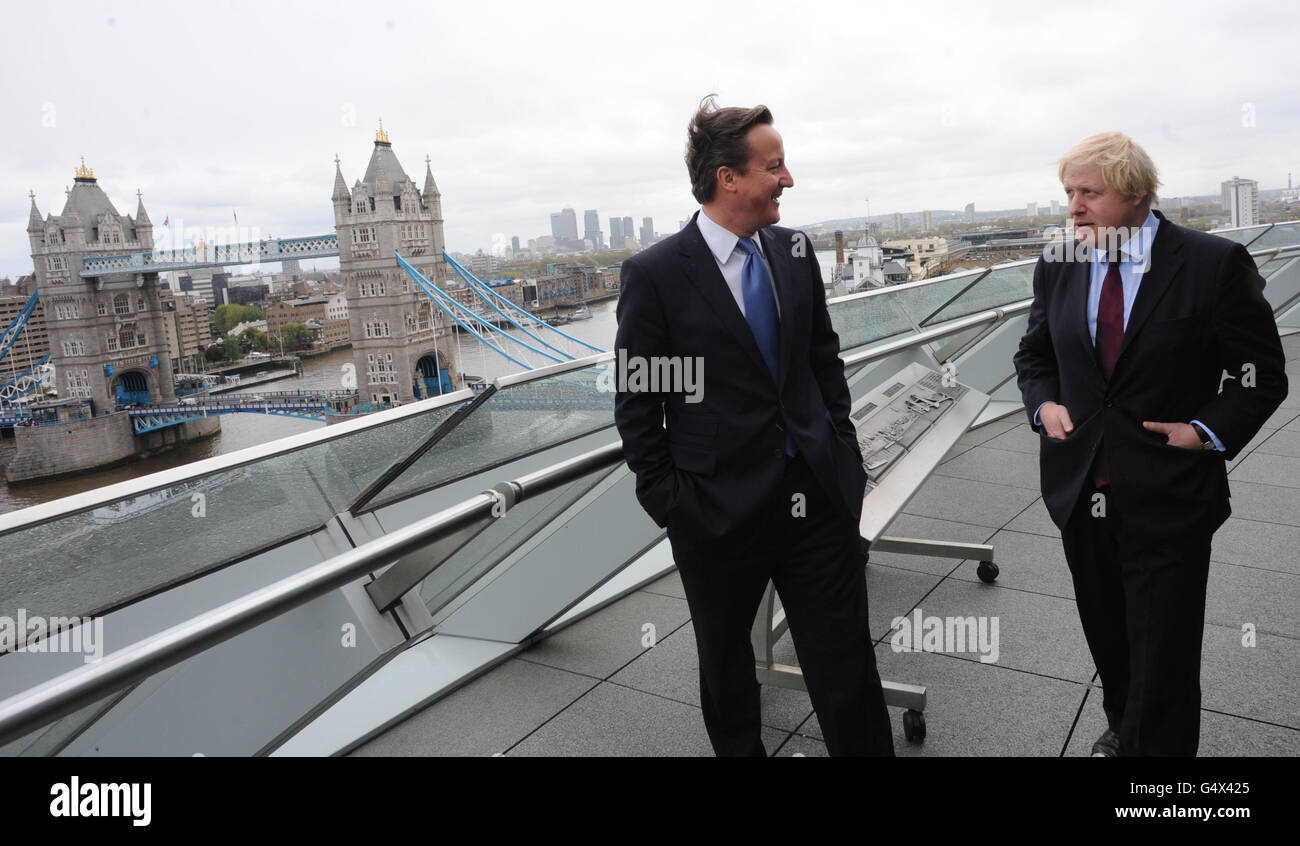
<point x="525" y="416"/>
<point x="1279" y="235"/>
<point x="1000" y="287"/>
<point x="509" y="539"/>
<point x="1244" y="235"/>
<point x="1273" y="265"/>
<point x="871" y="316"/>
<point x="86" y="560"/>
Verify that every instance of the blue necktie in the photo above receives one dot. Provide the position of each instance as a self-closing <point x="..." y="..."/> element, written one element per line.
<point x="760" y="311"/>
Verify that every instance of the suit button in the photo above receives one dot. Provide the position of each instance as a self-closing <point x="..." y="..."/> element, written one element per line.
<point x="778" y="453"/>
<point x="1109" y="403"/>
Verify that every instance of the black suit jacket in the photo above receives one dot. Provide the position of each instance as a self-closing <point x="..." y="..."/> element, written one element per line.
<point x="1199" y="311"/>
<point x="716" y="461"/>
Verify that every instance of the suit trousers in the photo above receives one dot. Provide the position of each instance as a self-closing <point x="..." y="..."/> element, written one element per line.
<point x="814" y="558"/>
<point x="1141" y="599"/>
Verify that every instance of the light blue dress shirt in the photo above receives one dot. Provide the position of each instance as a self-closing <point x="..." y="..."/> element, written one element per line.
<point x="1134" y="259"/>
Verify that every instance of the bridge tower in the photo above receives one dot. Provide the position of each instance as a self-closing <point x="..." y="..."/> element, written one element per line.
<point x="106" y="334"/>
<point x="402" y="347"/>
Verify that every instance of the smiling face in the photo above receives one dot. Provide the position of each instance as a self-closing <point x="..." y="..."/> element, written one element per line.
<point x="1097" y="209"/>
<point x="752" y="199"/>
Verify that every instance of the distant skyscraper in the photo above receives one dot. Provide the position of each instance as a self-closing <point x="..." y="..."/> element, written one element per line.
<point x="616" y="233"/>
<point x="1241" y="201"/>
<point x="1031" y="210"/>
<point x="970" y="212"/>
<point x="647" y="231"/>
<point x="898" y="223"/>
<point x="557" y="225"/>
<point x="591" y="229"/>
<point x="628" y="231"/>
<point x="570" y="227"/>
<point x="514" y="244"/>
<point x="926" y="225"/>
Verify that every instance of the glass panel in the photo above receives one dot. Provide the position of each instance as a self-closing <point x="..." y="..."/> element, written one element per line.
<point x="517" y="420"/>
<point x="1001" y="287"/>
<point x="1281" y="235"/>
<point x="882" y="314"/>
<point x="1274" y="265"/>
<point x="84" y="563"/>
<point x="504" y="537"/>
<point x="1242" y="236"/>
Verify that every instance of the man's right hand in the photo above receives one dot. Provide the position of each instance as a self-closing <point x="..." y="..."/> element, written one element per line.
<point x="1056" y="420"/>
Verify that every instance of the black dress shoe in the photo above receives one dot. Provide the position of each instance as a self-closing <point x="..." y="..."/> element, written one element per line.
<point x="1107" y="746"/>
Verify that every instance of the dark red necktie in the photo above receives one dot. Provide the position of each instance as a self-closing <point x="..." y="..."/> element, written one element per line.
<point x="1110" y="337"/>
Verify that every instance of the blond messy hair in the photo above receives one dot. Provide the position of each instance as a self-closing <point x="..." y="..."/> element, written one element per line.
<point x="1125" y="166"/>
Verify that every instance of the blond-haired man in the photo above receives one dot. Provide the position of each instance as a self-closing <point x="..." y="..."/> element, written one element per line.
<point x="1120" y="371"/>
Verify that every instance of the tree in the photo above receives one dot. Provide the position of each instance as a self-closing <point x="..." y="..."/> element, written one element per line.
<point x="232" y="349"/>
<point x="256" y="337"/>
<point x="295" y="336"/>
<point x="225" y="317"/>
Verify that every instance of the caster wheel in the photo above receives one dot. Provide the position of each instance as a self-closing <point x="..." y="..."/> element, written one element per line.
<point x="914" y="726"/>
<point x="987" y="571"/>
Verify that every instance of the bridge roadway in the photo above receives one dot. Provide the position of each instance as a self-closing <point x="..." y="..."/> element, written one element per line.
<point x="213" y="255"/>
<point x="307" y="405"/>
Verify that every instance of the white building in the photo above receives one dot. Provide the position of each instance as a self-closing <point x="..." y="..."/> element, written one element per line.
<point x="1241" y="201"/>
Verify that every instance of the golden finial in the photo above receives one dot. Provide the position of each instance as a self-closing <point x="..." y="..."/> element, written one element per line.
<point x="84" y="172"/>
<point x="381" y="135"/>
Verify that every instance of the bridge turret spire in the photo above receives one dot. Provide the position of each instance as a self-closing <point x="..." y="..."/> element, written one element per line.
<point x="340" y="186"/>
<point x="141" y="216"/>
<point x="430" y="187"/>
<point x="35" y="223"/>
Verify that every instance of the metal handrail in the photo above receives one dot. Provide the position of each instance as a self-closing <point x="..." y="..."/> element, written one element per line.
<point x="27" y="711"/>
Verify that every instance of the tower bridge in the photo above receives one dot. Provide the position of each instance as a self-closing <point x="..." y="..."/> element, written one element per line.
<point x="97" y="279"/>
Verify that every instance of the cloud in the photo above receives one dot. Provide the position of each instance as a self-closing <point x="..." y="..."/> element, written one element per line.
<point x="525" y="109"/>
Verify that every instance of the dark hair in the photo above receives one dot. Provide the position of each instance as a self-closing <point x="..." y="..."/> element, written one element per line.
<point x="716" y="138"/>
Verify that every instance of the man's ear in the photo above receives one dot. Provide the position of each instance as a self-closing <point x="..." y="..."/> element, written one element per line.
<point x="726" y="178"/>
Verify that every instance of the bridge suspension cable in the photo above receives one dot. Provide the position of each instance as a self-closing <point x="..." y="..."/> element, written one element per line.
<point x="16" y="325"/>
<point x="464" y="317"/>
<point x="492" y="298"/>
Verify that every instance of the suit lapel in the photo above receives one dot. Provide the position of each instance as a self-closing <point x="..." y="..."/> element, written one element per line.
<point x="699" y="266"/>
<point x="782" y="277"/>
<point x="1164" y="264"/>
<point x="1078" y="278"/>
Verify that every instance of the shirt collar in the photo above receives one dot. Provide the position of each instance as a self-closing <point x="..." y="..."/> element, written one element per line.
<point x="1136" y="249"/>
<point x="721" y="241"/>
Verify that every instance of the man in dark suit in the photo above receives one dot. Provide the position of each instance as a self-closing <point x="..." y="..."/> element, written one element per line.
<point x="1129" y="338"/>
<point x="757" y="474"/>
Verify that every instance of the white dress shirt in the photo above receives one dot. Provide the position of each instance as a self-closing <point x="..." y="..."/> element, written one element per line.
<point x="724" y="244"/>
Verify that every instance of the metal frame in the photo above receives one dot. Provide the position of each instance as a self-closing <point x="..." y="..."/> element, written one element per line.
<point x="895" y="490"/>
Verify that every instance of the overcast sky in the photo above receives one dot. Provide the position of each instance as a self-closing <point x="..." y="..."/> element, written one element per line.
<point x="526" y="108"/>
